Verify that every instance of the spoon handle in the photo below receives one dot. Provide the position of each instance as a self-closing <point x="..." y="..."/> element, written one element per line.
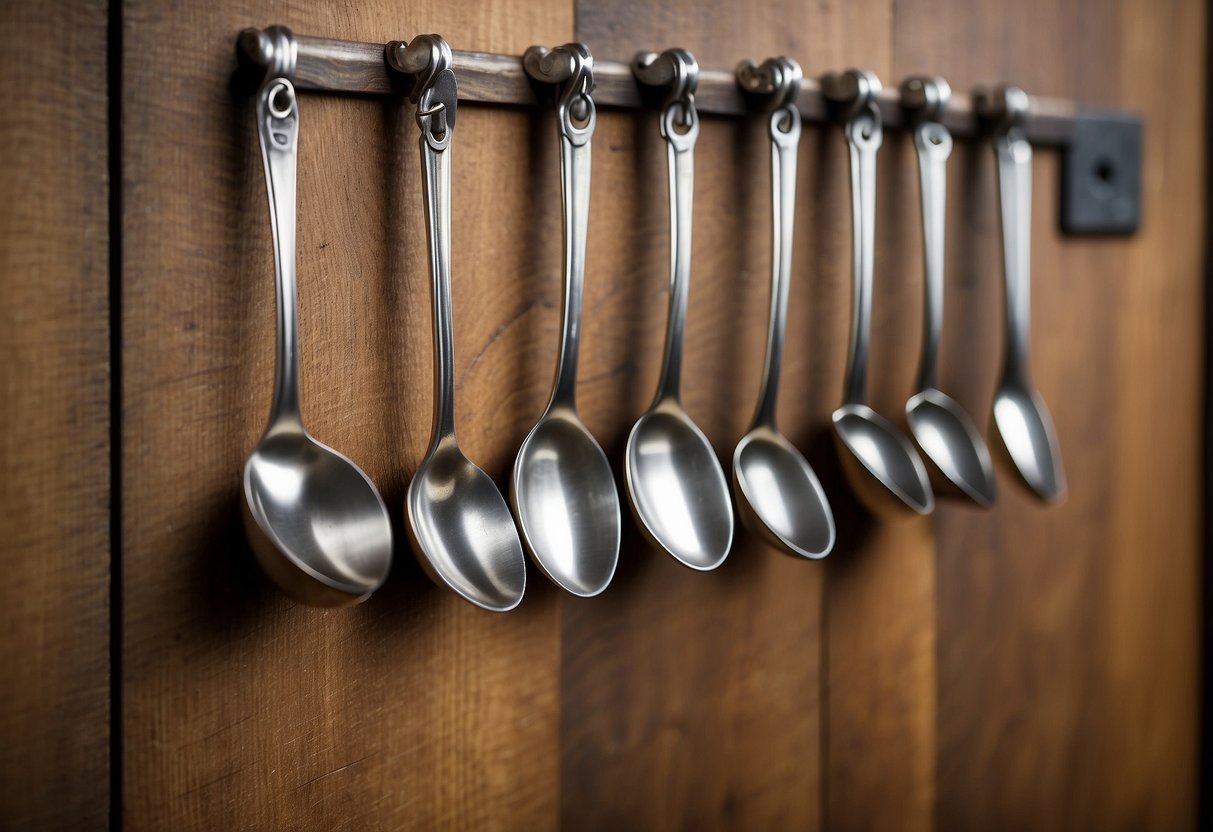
<point x="784" y="130"/>
<point x="428" y="58"/>
<point x="863" y="132"/>
<point x="676" y="72"/>
<point x="1014" y="155"/>
<point x="934" y="144"/>
<point x="575" y="120"/>
<point x="278" y="132"/>
<point x="680" y="153"/>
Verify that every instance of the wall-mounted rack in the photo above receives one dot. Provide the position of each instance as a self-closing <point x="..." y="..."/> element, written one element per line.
<point x="1101" y="183"/>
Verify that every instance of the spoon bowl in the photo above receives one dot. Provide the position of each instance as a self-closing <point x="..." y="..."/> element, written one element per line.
<point x="1027" y="439"/>
<point x="880" y="463"/>
<point x="462" y="526"/>
<point x="563" y="493"/>
<point x="954" y="450"/>
<point x="317" y="525"/>
<point x="677" y="489"/>
<point x="779" y="496"/>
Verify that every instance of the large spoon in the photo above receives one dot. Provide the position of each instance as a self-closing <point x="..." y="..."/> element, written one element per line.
<point x="315" y="521"/>
<point x="1023" y="423"/>
<point x="675" y="485"/>
<point x="563" y="491"/>
<point x="957" y="456"/>
<point x="460" y="524"/>
<point x="879" y="462"/>
<point x="778" y="494"/>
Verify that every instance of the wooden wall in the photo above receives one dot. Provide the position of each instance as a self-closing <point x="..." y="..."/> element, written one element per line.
<point x="1020" y="668"/>
<point x="55" y="411"/>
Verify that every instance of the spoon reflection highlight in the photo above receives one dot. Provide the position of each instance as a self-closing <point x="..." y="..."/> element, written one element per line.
<point x="956" y="455"/>
<point x="675" y="484"/>
<point x="778" y="494"/>
<point x="314" y="520"/>
<point x="563" y="489"/>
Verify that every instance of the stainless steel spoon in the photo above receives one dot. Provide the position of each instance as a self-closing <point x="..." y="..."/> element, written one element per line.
<point x="675" y="484"/>
<point x="1023" y="423"/>
<point x="315" y="521"/>
<point x="777" y="491"/>
<point x="460" y="524"/>
<point x="563" y="491"/>
<point x="881" y="465"/>
<point x="957" y="456"/>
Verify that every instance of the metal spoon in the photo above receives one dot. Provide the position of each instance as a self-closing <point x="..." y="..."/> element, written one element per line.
<point x="1023" y="422"/>
<point x="460" y="525"/>
<point x="778" y="494"/>
<point x="879" y="462"/>
<point x="316" y="523"/>
<point x="675" y="485"/>
<point x="959" y="461"/>
<point x="563" y="491"/>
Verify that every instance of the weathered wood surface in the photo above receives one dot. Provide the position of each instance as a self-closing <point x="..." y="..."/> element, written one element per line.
<point x="242" y="710"/>
<point x="1022" y="668"/>
<point x="54" y="406"/>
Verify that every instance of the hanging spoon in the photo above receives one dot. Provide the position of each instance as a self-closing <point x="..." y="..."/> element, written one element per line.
<point x="778" y="494"/>
<point x="951" y="444"/>
<point x="316" y="523"/>
<point x="1020" y="416"/>
<point x="675" y="485"/>
<point x="460" y="525"/>
<point x="880" y="463"/>
<point x="563" y="491"/>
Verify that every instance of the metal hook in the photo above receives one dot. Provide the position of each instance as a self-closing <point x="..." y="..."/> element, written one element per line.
<point x="1002" y="109"/>
<point x="925" y="98"/>
<point x="850" y="93"/>
<point x="274" y="49"/>
<point x="677" y="71"/>
<point x="775" y="82"/>
<point x="573" y="66"/>
<point x="426" y="61"/>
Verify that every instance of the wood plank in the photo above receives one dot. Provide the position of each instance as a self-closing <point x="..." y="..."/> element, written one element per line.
<point x="668" y="651"/>
<point x="415" y="710"/>
<point x="54" y="351"/>
<point x="1068" y="636"/>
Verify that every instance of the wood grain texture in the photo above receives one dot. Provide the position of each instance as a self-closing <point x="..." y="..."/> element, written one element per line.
<point x="684" y="649"/>
<point x="244" y="711"/>
<point x="1022" y="668"/>
<point x="1068" y="689"/>
<point x="54" y="355"/>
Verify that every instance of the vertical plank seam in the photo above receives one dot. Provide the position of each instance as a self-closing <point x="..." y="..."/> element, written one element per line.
<point x="114" y="58"/>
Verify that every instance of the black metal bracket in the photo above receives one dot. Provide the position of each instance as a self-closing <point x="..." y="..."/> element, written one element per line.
<point x="1101" y="175"/>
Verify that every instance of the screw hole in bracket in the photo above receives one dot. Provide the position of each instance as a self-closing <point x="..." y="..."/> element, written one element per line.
<point x="1101" y="175"/>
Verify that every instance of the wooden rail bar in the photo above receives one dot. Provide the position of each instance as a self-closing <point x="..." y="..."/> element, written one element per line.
<point x="326" y="65"/>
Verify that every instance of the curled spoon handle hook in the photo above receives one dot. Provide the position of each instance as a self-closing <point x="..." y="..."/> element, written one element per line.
<point x="278" y="134"/>
<point x="572" y="66"/>
<point x="926" y="99"/>
<point x="1007" y="110"/>
<point x="852" y="99"/>
<point x="677" y="69"/>
<point x="780" y="79"/>
<point x="426" y="61"/>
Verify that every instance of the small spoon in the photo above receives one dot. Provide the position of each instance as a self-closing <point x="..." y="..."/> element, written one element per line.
<point x="563" y="491"/>
<point x="959" y="461"/>
<point x="675" y="484"/>
<point x="460" y="524"/>
<point x="778" y="494"/>
<point x="879" y="462"/>
<point x="315" y="521"/>
<point x="1023" y="423"/>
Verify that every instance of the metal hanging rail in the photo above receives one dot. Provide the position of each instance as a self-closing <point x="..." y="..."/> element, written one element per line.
<point x="342" y="66"/>
<point x="1100" y="188"/>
